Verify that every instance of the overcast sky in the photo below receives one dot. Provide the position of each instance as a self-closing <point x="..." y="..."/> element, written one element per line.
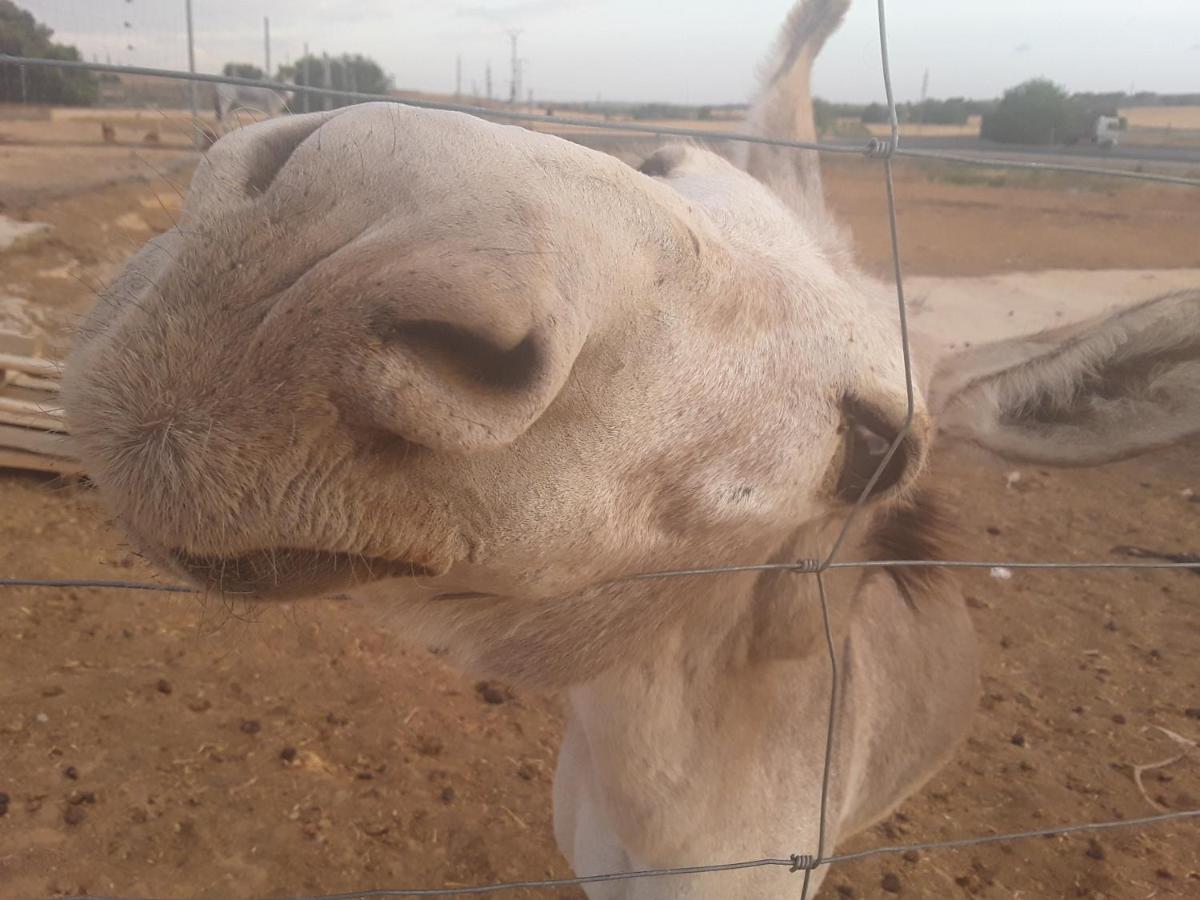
<point x="693" y="51"/>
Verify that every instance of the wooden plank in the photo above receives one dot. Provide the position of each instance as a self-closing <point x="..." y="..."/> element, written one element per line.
<point x="31" y="420"/>
<point x="17" y="344"/>
<point x="30" y="365"/>
<point x="34" y="440"/>
<point x="30" y="407"/>
<point x="31" y="382"/>
<point x="36" y="462"/>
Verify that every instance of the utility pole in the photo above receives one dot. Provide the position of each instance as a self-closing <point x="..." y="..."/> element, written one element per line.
<point x="305" y="79"/>
<point x="514" y="92"/>
<point x="191" y="39"/>
<point x="326" y="99"/>
<point x="267" y="45"/>
<point x="458" y="78"/>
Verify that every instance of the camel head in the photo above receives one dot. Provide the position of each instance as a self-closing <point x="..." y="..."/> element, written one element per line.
<point x="481" y="369"/>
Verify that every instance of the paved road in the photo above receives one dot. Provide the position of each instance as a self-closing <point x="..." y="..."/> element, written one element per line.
<point x="1169" y="160"/>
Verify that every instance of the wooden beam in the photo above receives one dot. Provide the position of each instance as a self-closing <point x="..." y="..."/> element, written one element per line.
<point x="34" y="440"/>
<point x="30" y="365"/>
<point x="36" y="462"/>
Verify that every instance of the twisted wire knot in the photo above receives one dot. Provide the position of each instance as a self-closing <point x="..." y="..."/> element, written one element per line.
<point x="803" y="862"/>
<point x="880" y="148"/>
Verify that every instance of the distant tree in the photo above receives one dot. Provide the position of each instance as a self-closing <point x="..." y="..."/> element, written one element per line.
<point x="22" y="35"/>
<point x="346" y="73"/>
<point x="242" y="70"/>
<point x="875" y="114"/>
<point x="1035" y="112"/>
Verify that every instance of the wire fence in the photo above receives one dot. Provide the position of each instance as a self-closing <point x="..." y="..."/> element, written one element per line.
<point x="885" y="151"/>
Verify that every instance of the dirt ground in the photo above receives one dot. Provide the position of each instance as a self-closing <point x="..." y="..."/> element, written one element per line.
<point x="160" y="745"/>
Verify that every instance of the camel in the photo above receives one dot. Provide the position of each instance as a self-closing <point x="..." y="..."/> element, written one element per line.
<point x="473" y="376"/>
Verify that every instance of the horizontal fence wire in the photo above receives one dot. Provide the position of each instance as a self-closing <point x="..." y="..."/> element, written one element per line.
<point x="886" y="151"/>
<point x="800" y="567"/>
<point x="795" y="863"/>
<point x="873" y="147"/>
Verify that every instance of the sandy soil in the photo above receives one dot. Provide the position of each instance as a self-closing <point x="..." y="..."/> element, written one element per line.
<point x="158" y="745"/>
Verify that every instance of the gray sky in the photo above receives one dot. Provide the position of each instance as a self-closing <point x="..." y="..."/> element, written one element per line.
<point x="695" y="51"/>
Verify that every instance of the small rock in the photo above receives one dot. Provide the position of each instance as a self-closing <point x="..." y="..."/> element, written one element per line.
<point x="890" y="882"/>
<point x="491" y="693"/>
<point x="163" y="686"/>
<point x="846" y="891"/>
<point x="911" y="856"/>
<point x="3" y="803"/>
<point x="447" y="795"/>
<point x="1095" y="850"/>
<point x="52" y="690"/>
<point x="1018" y="740"/>
<point x="428" y="744"/>
<point x="1110" y="625"/>
<point x="1001" y="573"/>
<point x="1165" y="874"/>
<point x="993" y="530"/>
<point x="74" y="815"/>
<point x="78" y="797"/>
<point x="1192" y="712"/>
<point x="976" y="603"/>
<point x="527" y="772"/>
<point x="1119" y="719"/>
<point x="364" y="776"/>
<point x="71" y="772"/>
<point x="199" y="705"/>
<point x="42" y="718"/>
<point x="288" y="754"/>
<point x="251" y="726"/>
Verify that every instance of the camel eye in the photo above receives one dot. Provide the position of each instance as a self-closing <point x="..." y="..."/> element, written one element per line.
<point x="867" y="437"/>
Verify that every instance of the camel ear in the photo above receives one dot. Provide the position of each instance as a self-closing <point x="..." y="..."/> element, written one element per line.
<point x="1089" y="393"/>
<point x="783" y="109"/>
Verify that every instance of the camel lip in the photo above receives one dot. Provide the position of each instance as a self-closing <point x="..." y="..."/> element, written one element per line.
<point x="279" y="573"/>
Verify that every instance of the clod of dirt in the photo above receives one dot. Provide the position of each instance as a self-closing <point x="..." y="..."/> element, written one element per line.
<point x="1018" y="740"/>
<point x="993" y="530"/>
<point x="1110" y="625"/>
<point x="428" y="744"/>
<point x="1095" y="850"/>
<point x="74" y="815"/>
<point x="3" y="804"/>
<point x="1119" y="719"/>
<point x="911" y="856"/>
<point x="251" y="726"/>
<point x="491" y="692"/>
<point x="52" y="690"/>
<point x="527" y="772"/>
<point x="1164" y="874"/>
<point x="199" y="705"/>
<point x="288" y="754"/>
<point x="78" y="797"/>
<point x="890" y="882"/>
<point x="163" y="686"/>
<point x="846" y="891"/>
<point x="447" y="795"/>
<point x="1192" y="712"/>
<point x="71" y="772"/>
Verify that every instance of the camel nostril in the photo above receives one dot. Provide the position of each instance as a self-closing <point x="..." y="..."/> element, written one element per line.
<point x="456" y="355"/>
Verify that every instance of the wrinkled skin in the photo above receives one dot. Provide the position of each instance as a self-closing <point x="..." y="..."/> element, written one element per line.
<point x="471" y="375"/>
